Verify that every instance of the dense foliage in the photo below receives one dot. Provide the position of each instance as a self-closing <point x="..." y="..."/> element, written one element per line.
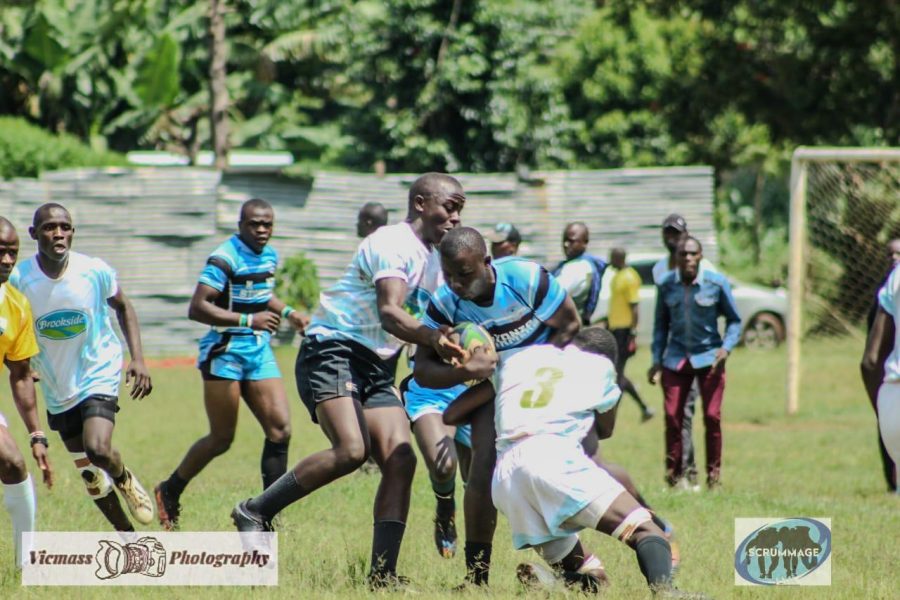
<point x="485" y="85"/>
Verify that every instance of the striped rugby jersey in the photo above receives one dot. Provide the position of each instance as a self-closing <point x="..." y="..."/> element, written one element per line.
<point x="525" y="297"/>
<point x="348" y="310"/>
<point x="245" y="279"/>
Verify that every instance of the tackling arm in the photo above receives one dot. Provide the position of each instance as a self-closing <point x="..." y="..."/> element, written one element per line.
<point x="391" y="293"/>
<point x="565" y="323"/>
<point x="460" y="410"/>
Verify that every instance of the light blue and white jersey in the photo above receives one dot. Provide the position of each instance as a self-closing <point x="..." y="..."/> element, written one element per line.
<point x="80" y="352"/>
<point x="525" y="297"/>
<point x="889" y="300"/>
<point x="245" y="278"/>
<point x="348" y="310"/>
<point x="545" y="390"/>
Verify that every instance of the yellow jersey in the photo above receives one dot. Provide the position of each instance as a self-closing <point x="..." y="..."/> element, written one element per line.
<point x="17" y="341"/>
<point x="624" y="292"/>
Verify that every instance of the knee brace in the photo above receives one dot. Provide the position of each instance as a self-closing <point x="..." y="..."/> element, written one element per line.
<point x="96" y="481"/>
<point x="629" y="524"/>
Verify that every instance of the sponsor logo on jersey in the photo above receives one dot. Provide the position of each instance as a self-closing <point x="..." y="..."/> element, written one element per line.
<point x="62" y="324"/>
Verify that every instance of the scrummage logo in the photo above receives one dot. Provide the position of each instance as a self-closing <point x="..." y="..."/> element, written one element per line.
<point x="783" y="552"/>
<point x="62" y="324"/>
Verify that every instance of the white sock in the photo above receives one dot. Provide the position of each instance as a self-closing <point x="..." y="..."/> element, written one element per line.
<point x="21" y="505"/>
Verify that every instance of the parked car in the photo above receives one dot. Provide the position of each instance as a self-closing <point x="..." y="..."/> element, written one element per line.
<point x="763" y="310"/>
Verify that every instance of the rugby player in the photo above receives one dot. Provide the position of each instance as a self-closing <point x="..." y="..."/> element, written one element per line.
<point x="80" y="360"/>
<point x="235" y="297"/>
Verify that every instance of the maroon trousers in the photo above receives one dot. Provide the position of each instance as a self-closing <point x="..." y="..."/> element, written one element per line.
<point x="676" y="387"/>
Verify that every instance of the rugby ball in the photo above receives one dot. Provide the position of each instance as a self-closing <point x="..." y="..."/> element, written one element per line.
<point x="470" y="336"/>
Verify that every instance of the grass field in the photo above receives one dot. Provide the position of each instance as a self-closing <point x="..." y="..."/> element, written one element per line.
<point x="820" y="463"/>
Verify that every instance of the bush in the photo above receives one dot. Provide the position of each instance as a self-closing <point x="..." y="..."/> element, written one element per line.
<point x="27" y="151"/>
<point x="297" y="283"/>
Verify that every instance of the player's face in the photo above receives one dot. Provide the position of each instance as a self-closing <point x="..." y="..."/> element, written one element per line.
<point x="54" y="234"/>
<point x="670" y="238"/>
<point x="9" y="252"/>
<point x="575" y="241"/>
<point x="688" y="259"/>
<point x="364" y="225"/>
<point x="256" y="227"/>
<point x="504" y="249"/>
<point x="441" y="212"/>
<point x="467" y="275"/>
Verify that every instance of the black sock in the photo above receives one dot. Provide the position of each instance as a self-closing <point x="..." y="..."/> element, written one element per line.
<point x="386" y="539"/>
<point x="122" y="476"/>
<point x="660" y="522"/>
<point x="655" y="559"/>
<point x="443" y="492"/>
<point x="478" y="562"/>
<point x="175" y="485"/>
<point x="284" y="491"/>
<point x="273" y="463"/>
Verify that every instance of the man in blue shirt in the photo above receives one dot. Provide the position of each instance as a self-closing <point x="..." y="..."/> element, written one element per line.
<point x="235" y="297"/>
<point x="687" y="346"/>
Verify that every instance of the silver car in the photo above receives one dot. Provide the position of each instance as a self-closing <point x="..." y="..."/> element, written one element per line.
<point x="763" y="310"/>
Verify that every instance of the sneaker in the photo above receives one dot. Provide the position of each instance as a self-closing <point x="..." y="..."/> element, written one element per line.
<point x="536" y="576"/>
<point x="647" y="415"/>
<point x="445" y="537"/>
<point x="248" y="520"/>
<point x="388" y="582"/>
<point x="136" y="497"/>
<point x="167" y="507"/>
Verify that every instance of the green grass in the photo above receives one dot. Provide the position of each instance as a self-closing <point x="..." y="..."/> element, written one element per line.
<point x="821" y="463"/>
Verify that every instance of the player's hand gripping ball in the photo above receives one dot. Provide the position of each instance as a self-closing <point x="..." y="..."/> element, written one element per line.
<point x="471" y="336"/>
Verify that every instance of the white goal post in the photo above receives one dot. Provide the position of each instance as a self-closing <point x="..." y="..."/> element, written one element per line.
<point x="804" y="159"/>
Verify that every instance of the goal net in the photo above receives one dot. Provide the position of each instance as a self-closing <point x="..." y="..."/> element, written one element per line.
<point x="845" y="208"/>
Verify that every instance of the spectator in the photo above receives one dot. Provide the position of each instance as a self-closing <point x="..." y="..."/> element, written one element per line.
<point x="581" y="274"/>
<point x="505" y="240"/>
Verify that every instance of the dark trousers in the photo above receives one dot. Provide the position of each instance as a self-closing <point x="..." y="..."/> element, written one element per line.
<point x="676" y="389"/>
<point x="688" y="463"/>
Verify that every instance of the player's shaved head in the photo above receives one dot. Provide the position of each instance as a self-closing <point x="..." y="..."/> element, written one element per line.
<point x="375" y="211"/>
<point x="463" y="240"/>
<point x="430" y="185"/>
<point x="597" y="340"/>
<point x="6" y="227"/>
<point x="45" y="210"/>
<point x="578" y="228"/>
<point x="251" y="205"/>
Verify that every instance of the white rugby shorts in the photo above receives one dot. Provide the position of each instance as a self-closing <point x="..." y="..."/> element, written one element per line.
<point x="546" y="480"/>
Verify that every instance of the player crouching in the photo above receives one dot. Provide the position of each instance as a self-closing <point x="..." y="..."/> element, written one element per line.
<point x="546" y="403"/>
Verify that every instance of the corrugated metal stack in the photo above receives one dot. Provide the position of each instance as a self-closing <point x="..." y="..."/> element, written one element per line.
<point x="156" y="226"/>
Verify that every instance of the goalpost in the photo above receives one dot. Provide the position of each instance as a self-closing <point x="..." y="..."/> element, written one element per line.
<point x="845" y="207"/>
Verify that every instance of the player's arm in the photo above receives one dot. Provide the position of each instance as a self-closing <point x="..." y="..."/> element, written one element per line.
<point x="431" y="371"/>
<point x="460" y="411"/>
<point x="203" y="309"/>
<point x="728" y="308"/>
<point x="605" y="422"/>
<point x="565" y="323"/>
<point x="390" y="294"/>
<point x="660" y="335"/>
<point x="879" y="344"/>
<point x="137" y="373"/>
<point x="298" y="321"/>
<point x="22" y="386"/>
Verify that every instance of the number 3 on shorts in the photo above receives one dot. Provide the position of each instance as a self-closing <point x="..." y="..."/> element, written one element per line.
<point x="547" y="378"/>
